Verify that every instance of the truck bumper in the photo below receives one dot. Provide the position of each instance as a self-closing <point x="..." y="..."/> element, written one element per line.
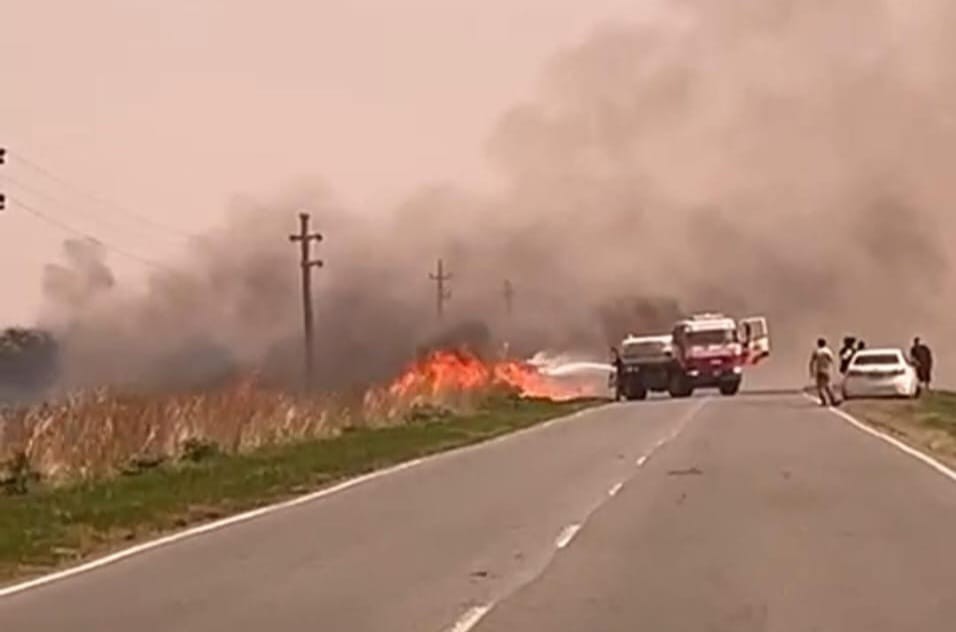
<point x="714" y="378"/>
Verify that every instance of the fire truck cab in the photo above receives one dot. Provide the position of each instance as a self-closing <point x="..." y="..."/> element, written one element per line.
<point x="711" y="351"/>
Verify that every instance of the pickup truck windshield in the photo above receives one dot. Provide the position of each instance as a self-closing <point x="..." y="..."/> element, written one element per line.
<point x="644" y="349"/>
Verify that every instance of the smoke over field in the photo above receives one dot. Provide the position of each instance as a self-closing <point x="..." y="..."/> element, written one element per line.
<point x="784" y="157"/>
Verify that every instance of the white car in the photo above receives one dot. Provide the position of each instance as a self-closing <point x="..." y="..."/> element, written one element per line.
<point x="880" y="373"/>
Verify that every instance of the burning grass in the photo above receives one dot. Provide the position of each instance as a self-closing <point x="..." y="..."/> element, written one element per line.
<point x="102" y="433"/>
<point x="105" y="467"/>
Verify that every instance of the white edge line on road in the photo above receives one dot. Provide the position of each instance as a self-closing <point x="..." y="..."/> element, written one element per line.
<point x="893" y="441"/>
<point x="218" y="525"/>
<point x="641" y="461"/>
<point x="567" y="534"/>
<point x="614" y="490"/>
<point x="470" y="619"/>
<point x="913" y="452"/>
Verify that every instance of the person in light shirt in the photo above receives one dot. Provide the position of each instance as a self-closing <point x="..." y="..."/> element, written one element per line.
<point x="821" y="367"/>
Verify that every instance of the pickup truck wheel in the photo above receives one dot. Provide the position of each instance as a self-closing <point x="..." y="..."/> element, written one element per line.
<point x="678" y="386"/>
<point x="635" y="389"/>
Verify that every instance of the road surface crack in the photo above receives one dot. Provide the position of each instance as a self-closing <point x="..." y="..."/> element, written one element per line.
<point x="691" y="471"/>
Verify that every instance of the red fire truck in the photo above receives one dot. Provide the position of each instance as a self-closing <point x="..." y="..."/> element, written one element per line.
<point x="712" y="350"/>
<point x="702" y="351"/>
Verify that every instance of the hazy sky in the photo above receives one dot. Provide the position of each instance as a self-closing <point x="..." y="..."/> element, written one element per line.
<point x="169" y="107"/>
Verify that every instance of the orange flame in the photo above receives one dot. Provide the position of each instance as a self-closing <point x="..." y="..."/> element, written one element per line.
<point x="462" y="371"/>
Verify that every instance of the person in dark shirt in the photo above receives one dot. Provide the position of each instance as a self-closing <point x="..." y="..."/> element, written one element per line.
<point x="846" y="353"/>
<point x="618" y="377"/>
<point x="922" y="357"/>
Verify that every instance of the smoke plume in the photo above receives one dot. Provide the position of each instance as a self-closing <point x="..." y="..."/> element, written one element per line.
<point x="782" y="157"/>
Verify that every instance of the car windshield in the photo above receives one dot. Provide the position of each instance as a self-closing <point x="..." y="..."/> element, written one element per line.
<point x="876" y="359"/>
<point x="711" y="337"/>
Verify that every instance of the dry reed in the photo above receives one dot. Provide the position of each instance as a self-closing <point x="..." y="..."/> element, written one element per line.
<point x="100" y="432"/>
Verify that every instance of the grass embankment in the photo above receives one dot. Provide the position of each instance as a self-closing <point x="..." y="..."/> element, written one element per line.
<point x="44" y="527"/>
<point x="927" y="423"/>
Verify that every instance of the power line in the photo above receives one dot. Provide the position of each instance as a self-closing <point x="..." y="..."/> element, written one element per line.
<point x="99" y="200"/>
<point x="53" y="199"/>
<point x="49" y="219"/>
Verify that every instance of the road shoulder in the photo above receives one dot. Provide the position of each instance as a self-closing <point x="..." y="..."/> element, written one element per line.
<point x="927" y="424"/>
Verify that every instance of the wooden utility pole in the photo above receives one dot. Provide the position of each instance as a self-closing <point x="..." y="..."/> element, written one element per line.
<point x="509" y="294"/>
<point x="442" y="293"/>
<point x="305" y="239"/>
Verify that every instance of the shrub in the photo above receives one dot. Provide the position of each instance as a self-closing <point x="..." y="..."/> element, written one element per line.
<point x="17" y="475"/>
<point x="195" y="450"/>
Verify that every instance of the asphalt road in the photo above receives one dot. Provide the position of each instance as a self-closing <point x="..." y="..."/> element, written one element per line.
<point x="747" y="514"/>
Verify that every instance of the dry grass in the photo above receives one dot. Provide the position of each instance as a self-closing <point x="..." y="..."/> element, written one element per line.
<point x="99" y="433"/>
<point x="42" y="526"/>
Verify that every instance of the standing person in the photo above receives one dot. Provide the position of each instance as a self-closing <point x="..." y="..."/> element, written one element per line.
<point x="846" y="353"/>
<point x="923" y="359"/>
<point x="821" y="364"/>
<point x="618" y="364"/>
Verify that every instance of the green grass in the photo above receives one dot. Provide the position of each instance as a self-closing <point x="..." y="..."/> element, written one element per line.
<point x="928" y="423"/>
<point x="938" y="410"/>
<point x="47" y="527"/>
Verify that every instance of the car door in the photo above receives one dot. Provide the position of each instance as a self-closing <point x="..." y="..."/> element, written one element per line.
<point x="755" y="335"/>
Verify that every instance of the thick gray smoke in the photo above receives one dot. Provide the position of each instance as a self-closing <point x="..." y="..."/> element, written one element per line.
<point x="783" y="157"/>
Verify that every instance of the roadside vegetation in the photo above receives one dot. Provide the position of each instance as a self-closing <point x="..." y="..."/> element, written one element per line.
<point x="927" y="423"/>
<point x="118" y="470"/>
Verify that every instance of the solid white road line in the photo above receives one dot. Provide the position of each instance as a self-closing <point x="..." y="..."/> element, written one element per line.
<point x="614" y="490"/>
<point x="893" y="441"/>
<point x="470" y="619"/>
<point x="896" y="443"/>
<point x="201" y="529"/>
<point x="217" y="525"/>
<point x="564" y="539"/>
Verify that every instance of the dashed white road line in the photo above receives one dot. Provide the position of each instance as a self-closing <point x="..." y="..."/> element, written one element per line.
<point x="674" y="433"/>
<point x="567" y="534"/>
<point x="473" y="616"/>
<point x="470" y="619"/>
